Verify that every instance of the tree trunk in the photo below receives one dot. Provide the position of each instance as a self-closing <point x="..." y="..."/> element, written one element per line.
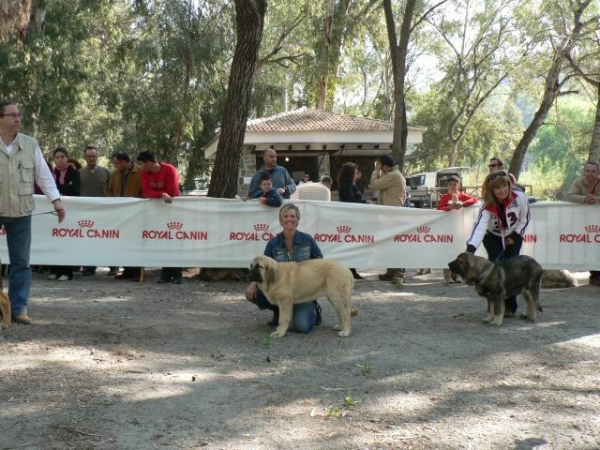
<point x="398" y="52"/>
<point x="551" y="91"/>
<point x="250" y="16"/>
<point x="339" y="23"/>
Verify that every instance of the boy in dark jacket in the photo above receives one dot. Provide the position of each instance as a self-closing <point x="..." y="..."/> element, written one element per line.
<point x="268" y="194"/>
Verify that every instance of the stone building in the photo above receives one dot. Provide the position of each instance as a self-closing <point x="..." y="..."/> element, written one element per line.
<point x="314" y="142"/>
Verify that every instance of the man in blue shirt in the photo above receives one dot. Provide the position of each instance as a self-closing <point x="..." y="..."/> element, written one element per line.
<point x="281" y="178"/>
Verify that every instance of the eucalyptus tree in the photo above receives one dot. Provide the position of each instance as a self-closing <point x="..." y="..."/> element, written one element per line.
<point x="558" y="29"/>
<point x="16" y="16"/>
<point x="181" y="50"/>
<point x="250" y="16"/>
<point x="481" y="53"/>
<point x="585" y="61"/>
<point x="62" y="74"/>
<point x="413" y="15"/>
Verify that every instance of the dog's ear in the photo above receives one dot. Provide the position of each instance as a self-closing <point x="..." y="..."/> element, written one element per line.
<point x="270" y="274"/>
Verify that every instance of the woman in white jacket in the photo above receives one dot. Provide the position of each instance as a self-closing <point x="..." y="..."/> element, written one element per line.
<point x="500" y="223"/>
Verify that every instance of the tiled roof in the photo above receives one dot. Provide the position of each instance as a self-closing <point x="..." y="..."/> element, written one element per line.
<point x="307" y="119"/>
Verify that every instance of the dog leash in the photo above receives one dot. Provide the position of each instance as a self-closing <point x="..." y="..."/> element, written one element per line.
<point x="54" y="213"/>
<point x="500" y="256"/>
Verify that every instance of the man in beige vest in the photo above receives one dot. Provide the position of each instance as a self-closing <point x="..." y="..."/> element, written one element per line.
<point x="391" y="184"/>
<point x="21" y="164"/>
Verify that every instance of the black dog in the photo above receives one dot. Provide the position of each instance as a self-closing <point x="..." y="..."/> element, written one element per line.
<point x="498" y="280"/>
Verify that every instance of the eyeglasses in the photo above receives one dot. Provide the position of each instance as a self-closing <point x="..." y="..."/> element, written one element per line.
<point x="493" y="165"/>
<point x="13" y="115"/>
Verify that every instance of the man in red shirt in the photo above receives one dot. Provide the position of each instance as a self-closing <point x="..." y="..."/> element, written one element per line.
<point x="160" y="180"/>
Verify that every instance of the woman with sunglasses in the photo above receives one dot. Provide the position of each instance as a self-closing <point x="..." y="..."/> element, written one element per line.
<point x="500" y="223"/>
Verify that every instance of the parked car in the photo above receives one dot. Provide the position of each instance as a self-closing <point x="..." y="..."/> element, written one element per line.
<point x="427" y="187"/>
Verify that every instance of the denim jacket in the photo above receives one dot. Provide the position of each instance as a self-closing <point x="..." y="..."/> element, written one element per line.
<point x="305" y="248"/>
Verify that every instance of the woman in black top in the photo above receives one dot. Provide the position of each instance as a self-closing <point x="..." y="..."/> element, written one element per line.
<point x="347" y="187"/>
<point x="350" y="192"/>
<point x="68" y="184"/>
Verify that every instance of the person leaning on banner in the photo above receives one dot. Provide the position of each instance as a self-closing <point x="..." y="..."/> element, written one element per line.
<point x="455" y="198"/>
<point x="586" y="190"/>
<point x="94" y="182"/>
<point x="282" y="181"/>
<point x="125" y="181"/>
<point x="21" y="164"/>
<point x="391" y="187"/>
<point x="68" y="183"/>
<point x="160" y="180"/>
<point x="350" y="193"/>
<point x="500" y="224"/>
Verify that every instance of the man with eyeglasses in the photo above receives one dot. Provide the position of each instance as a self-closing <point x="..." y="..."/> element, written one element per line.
<point x="21" y="164"/>
<point x="586" y="190"/>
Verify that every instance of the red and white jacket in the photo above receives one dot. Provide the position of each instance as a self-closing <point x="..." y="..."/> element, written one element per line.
<point x="516" y="210"/>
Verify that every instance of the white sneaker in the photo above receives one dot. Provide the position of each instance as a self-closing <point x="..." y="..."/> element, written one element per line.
<point x="52" y="276"/>
<point x="63" y="278"/>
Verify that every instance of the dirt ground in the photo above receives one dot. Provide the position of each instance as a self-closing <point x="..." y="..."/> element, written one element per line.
<point x="113" y="364"/>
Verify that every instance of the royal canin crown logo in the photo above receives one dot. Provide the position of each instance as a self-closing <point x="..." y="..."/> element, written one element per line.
<point x="85" y="223"/>
<point x="424" y="235"/>
<point x="261" y="227"/>
<point x="343" y="234"/>
<point x="591" y="235"/>
<point x="175" y="232"/>
<point x="86" y="230"/>
<point x="174" y="225"/>
<point x="260" y="232"/>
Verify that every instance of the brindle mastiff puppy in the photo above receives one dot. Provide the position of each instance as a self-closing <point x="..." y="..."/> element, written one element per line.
<point x="498" y="280"/>
<point x="4" y="307"/>
<point x="288" y="283"/>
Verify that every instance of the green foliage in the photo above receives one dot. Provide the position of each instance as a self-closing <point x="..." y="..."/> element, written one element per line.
<point x="134" y="75"/>
<point x="349" y="400"/>
<point x="561" y="147"/>
<point x="266" y="342"/>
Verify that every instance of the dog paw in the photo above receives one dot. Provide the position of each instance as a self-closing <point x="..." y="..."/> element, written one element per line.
<point x="497" y="322"/>
<point x="278" y="334"/>
<point x="344" y="333"/>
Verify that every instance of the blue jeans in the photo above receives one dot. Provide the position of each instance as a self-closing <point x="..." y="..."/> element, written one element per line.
<point x="18" y="239"/>
<point x="303" y="317"/>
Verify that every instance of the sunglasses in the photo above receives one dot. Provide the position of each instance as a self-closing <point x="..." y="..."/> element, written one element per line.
<point x="493" y="165"/>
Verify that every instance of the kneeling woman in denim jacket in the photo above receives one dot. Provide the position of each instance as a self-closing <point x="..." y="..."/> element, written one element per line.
<point x="290" y="245"/>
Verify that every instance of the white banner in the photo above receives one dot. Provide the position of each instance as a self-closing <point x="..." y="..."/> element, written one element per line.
<point x="207" y="232"/>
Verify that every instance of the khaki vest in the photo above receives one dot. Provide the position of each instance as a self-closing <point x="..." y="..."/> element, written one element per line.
<point x="17" y="175"/>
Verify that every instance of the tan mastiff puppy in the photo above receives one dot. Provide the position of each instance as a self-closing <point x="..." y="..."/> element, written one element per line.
<point x="285" y="284"/>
